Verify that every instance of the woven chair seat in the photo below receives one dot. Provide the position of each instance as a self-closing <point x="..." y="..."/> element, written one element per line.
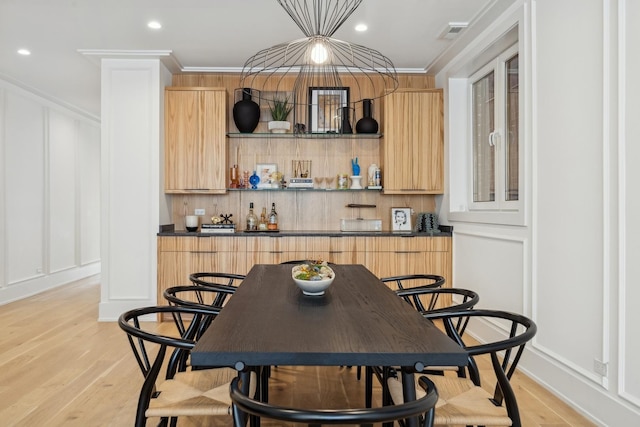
<point x="180" y="391"/>
<point x="192" y="393"/>
<point x="462" y="401"/>
<point x="459" y="402"/>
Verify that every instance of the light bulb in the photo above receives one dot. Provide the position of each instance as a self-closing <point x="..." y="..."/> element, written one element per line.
<point x="319" y="53"/>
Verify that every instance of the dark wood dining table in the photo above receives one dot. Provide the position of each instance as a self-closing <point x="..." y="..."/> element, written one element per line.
<point x="359" y="321"/>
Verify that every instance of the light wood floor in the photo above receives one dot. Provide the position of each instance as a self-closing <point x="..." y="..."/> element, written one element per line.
<point x="60" y="367"/>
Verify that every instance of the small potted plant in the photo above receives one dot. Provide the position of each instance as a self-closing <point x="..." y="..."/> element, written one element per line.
<point x="280" y="110"/>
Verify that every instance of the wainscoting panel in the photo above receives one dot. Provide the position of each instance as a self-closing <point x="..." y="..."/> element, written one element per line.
<point x="629" y="157"/>
<point x="494" y="266"/>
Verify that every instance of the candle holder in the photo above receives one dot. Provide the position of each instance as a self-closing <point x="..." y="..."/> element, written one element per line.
<point x="233" y="175"/>
<point x="301" y="168"/>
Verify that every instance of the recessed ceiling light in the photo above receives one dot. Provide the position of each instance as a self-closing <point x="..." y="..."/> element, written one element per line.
<point x="24" y="52"/>
<point x="154" y="25"/>
<point x="361" y="27"/>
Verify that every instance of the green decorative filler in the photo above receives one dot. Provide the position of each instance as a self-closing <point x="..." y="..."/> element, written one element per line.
<point x="280" y="109"/>
<point x="313" y="270"/>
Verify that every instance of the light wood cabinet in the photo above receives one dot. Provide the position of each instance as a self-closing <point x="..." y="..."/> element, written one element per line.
<point x="398" y="256"/>
<point x="412" y="157"/>
<point x="276" y="249"/>
<point x="345" y="250"/>
<point x="394" y="256"/>
<point x="179" y="256"/>
<point x="385" y="256"/>
<point x="195" y="140"/>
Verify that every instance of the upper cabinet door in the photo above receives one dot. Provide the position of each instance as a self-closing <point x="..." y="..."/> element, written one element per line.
<point x="413" y="144"/>
<point x="195" y="142"/>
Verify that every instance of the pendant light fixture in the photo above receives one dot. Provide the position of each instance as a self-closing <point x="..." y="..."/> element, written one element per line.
<point x="319" y="75"/>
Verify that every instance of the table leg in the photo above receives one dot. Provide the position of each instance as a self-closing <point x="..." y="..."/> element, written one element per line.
<point x="383" y="374"/>
<point x="245" y="377"/>
<point x="368" y="386"/>
<point x="264" y="374"/>
<point x="409" y="391"/>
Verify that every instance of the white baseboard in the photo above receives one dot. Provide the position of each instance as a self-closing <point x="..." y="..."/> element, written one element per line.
<point x="109" y="311"/>
<point x="36" y="285"/>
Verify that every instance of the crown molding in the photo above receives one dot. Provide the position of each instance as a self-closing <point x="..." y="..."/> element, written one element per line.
<point x="165" y="56"/>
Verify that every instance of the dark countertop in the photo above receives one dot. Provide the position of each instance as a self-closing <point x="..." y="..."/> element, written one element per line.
<point x="446" y="231"/>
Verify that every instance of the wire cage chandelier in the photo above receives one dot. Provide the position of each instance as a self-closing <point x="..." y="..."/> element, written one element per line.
<point x="322" y="78"/>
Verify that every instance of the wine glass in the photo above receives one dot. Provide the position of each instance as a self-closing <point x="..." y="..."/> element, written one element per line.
<point x="318" y="180"/>
<point x="329" y="181"/>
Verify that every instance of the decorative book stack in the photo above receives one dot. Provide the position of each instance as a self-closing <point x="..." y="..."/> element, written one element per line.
<point x="301" y="183"/>
<point x="218" y="228"/>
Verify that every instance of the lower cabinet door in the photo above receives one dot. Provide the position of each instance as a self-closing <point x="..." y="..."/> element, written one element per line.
<point x="219" y="262"/>
<point x="173" y="270"/>
<point x="384" y="256"/>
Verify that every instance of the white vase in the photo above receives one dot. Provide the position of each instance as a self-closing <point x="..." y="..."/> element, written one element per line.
<point x="279" y="127"/>
<point x="355" y="182"/>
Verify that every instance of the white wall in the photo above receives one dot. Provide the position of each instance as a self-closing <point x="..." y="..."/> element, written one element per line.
<point x="45" y="199"/>
<point x="132" y="203"/>
<point x="572" y="266"/>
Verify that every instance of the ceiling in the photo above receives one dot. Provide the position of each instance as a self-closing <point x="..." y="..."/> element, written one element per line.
<point x="66" y="37"/>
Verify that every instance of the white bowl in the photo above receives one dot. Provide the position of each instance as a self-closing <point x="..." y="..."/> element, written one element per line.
<point x="313" y="287"/>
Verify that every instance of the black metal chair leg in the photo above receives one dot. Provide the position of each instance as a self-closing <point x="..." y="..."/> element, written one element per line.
<point x="368" y="386"/>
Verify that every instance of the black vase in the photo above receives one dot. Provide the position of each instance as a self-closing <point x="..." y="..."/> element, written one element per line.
<point x="246" y="112"/>
<point x="366" y="124"/>
<point x="345" y="126"/>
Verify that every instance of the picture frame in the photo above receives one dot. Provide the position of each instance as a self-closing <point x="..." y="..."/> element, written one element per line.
<point x="265" y="171"/>
<point x="324" y="104"/>
<point x="401" y="219"/>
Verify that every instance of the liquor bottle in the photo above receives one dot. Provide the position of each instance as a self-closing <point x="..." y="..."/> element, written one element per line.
<point x="262" y="224"/>
<point x="273" y="218"/>
<point x="252" y="219"/>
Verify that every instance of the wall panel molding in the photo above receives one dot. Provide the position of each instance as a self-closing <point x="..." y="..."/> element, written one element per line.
<point x="3" y="234"/>
<point x="629" y="201"/>
<point x="519" y="270"/>
<point x="37" y="197"/>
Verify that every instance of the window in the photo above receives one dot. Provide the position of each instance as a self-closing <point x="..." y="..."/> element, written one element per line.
<point x="487" y="131"/>
<point x="484" y="152"/>
<point x="494" y="134"/>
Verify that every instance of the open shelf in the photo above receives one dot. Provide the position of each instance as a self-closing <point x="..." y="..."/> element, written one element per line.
<point x="305" y="135"/>
<point x="334" y="190"/>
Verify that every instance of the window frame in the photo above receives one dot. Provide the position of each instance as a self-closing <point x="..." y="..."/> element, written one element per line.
<point x="498" y="67"/>
<point x="458" y="125"/>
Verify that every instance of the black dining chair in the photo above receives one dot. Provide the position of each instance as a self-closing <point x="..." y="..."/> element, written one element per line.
<point x="465" y="299"/>
<point x="462" y="399"/>
<point x="206" y="297"/>
<point x="210" y="298"/>
<point x="414" y="280"/>
<point x="181" y="391"/>
<point x="302" y="261"/>
<point x="422" y="407"/>
<point x="217" y="280"/>
<point x="425" y="298"/>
